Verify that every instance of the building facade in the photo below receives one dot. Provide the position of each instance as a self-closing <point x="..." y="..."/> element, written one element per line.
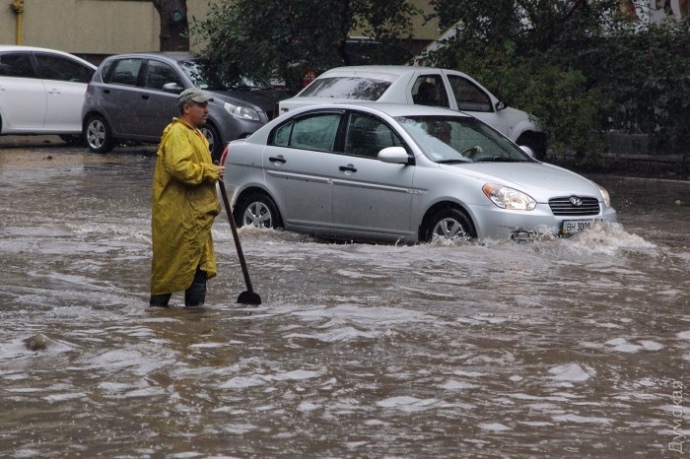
<point x="94" y="29"/>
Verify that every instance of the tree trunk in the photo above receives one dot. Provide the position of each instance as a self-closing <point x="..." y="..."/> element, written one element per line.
<point x="174" y="34"/>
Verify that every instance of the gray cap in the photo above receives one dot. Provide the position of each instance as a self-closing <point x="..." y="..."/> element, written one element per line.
<point x="193" y="95"/>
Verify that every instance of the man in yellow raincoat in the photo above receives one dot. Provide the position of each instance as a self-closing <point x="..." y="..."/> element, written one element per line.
<point x="185" y="205"/>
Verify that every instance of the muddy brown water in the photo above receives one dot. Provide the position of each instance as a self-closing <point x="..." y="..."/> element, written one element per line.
<point x="560" y="348"/>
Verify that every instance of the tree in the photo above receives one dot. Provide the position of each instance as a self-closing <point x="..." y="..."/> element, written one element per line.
<point x="174" y="34"/>
<point x="581" y="66"/>
<point x="281" y="39"/>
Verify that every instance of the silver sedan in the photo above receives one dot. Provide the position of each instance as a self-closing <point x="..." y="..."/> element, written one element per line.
<point x="402" y="173"/>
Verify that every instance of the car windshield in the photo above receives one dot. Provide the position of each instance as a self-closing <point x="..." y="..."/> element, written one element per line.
<point x="205" y="77"/>
<point x="460" y="140"/>
<point x="360" y="88"/>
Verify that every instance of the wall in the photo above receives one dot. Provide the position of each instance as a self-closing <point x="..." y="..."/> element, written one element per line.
<point x="96" y="28"/>
<point x="89" y="27"/>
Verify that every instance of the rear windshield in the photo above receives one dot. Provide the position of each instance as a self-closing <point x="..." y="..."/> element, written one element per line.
<point x="359" y="88"/>
<point x="206" y="77"/>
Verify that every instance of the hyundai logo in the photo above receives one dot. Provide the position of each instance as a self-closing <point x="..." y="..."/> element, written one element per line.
<point x="575" y="201"/>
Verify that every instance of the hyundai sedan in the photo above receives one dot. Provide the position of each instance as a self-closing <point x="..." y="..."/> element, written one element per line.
<point x="402" y="173"/>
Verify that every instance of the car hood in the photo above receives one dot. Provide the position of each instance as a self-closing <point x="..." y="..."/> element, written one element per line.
<point x="540" y="180"/>
<point x="262" y="98"/>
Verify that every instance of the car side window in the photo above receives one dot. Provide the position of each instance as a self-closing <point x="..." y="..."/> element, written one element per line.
<point x="125" y="71"/>
<point x="367" y="136"/>
<point x="62" y="69"/>
<point x="468" y="96"/>
<point x="158" y="74"/>
<point x="317" y="132"/>
<point x="429" y="90"/>
<point x="16" y="65"/>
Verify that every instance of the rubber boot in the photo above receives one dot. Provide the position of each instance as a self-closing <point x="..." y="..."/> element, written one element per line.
<point x="160" y="301"/>
<point x="195" y="295"/>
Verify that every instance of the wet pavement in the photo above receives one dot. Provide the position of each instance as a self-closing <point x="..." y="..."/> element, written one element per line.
<point x="562" y="348"/>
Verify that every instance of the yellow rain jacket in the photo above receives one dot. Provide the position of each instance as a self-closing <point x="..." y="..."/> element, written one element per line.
<point x="185" y="204"/>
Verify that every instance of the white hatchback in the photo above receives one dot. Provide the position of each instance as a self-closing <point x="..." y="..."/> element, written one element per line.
<point x="42" y="91"/>
<point x="421" y="86"/>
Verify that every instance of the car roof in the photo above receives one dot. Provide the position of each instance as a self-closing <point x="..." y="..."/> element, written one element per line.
<point x="388" y="69"/>
<point x="176" y="55"/>
<point x="171" y="55"/>
<point x="45" y="50"/>
<point x="389" y="109"/>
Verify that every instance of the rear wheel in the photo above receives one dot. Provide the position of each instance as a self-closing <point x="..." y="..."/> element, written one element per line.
<point x="257" y="210"/>
<point x="98" y="134"/>
<point x="450" y="224"/>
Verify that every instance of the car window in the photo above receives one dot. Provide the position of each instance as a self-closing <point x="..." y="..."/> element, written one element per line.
<point x="429" y="90"/>
<point x="125" y="71"/>
<point x="62" y="69"/>
<point x="346" y="88"/>
<point x="453" y="139"/>
<point x="468" y="95"/>
<point x="316" y="132"/>
<point x="16" y="65"/>
<point x="158" y="74"/>
<point x="367" y="135"/>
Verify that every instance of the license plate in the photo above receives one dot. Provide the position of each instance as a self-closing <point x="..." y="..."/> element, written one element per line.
<point x="575" y="226"/>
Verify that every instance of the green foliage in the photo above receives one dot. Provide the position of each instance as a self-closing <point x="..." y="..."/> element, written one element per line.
<point x="581" y="67"/>
<point x="275" y="38"/>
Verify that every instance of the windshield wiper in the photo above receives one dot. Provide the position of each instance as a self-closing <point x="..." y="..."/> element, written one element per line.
<point x="454" y="161"/>
<point x="498" y="159"/>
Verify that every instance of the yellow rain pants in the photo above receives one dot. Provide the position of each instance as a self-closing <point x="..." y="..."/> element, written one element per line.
<point x="185" y="204"/>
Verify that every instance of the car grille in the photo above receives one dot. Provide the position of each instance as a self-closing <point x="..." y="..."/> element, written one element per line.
<point x="565" y="206"/>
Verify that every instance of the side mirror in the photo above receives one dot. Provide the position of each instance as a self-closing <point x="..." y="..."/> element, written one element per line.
<point x="500" y="105"/>
<point x="527" y="150"/>
<point x="172" y="87"/>
<point x="394" y="155"/>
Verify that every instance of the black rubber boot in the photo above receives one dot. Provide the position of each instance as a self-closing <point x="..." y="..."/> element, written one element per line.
<point x="195" y="295"/>
<point x="160" y="301"/>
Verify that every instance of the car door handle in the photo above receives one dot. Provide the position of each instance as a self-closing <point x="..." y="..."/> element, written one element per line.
<point x="145" y="96"/>
<point x="106" y="91"/>
<point x="277" y="159"/>
<point x="348" y="168"/>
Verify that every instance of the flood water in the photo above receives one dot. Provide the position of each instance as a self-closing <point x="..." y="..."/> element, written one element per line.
<point x="574" y="348"/>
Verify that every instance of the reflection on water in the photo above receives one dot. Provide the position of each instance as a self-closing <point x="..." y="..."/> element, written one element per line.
<point x="564" y="348"/>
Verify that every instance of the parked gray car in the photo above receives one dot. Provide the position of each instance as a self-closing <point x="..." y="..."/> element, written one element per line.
<point x="132" y="97"/>
<point x="402" y="173"/>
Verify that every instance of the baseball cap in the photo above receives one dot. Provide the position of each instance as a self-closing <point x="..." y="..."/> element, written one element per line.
<point x="193" y="95"/>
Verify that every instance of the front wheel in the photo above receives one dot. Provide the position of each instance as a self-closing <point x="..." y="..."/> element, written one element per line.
<point x="215" y="145"/>
<point x="98" y="135"/>
<point x="257" y="210"/>
<point x="449" y="224"/>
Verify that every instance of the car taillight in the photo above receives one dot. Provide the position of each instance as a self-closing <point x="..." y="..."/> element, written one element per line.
<point x="309" y="76"/>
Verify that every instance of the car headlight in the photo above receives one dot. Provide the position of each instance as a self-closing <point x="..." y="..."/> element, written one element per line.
<point x="605" y="196"/>
<point x="240" y="111"/>
<point x="508" y="198"/>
